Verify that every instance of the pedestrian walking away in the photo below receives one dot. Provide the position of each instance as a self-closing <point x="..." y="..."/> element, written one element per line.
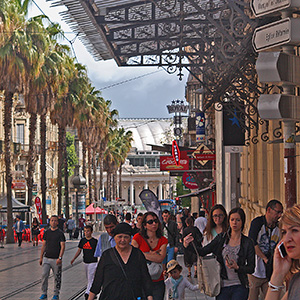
<point x="19" y="228"/>
<point x="176" y="283"/>
<point x="287" y="258"/>
<point x="51" y="257"/>
<point x="88" y="245"/>
<point x="236" y="255"/>
<point x="106" y="239"/>
<point x="265" y="233"/>
<point x="201" y="221"/>
<point x="70" y="227"/>
<point x="170" y="232"/>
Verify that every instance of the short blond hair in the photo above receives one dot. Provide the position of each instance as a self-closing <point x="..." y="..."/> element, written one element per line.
<point x="292" y="217"/>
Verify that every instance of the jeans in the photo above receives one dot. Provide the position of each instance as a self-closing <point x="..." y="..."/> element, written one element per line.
<point x="158" y="290"/>
<point x="50" y="263"/>
<point x="234" y="292"/>
<point x="170" y="254"/>
<point x="19" y="235"/>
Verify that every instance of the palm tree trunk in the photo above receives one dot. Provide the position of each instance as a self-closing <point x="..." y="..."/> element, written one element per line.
<point x="114" y="185"/>
<point x="84" y="160"/>
<point x="66" y="179"/>
<point x="101" y="171"/>
<point x="43" y="132"/>
<point x="61" y="134"/>
<point x="31" y="157"/>
<point x="8" y="176"/>
<point x="120" y="182"/>
<point x="96" y="187"/>
<point x="108" y="184"/>
<point x="90" y="175"/>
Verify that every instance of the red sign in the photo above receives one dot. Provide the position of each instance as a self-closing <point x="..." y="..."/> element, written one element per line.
<point x="38" y="206"/>
<point x="189" y="181"/>
<point x="202" y="156"/>
<point x="167" y="163"/>
<point x="176" y="153"/>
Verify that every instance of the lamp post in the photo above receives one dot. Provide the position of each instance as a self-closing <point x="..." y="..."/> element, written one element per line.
<point x="79" y="184"/>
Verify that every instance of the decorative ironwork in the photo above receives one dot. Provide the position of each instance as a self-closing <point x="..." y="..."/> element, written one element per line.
<point x="209" y="38"/>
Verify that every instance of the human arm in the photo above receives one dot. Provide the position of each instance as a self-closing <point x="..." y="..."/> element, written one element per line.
<point x="157" y="255"/>
<point x="190" y="286"/>
<point x="98" y="251"/>
<point x="42" y="252"/>
<point x="76" y="255"/>
<point x="259" y="253"/>
<point x="98" y="278"/>
<point x="281" y="267"/>
<point x="146" y="279"/>
<point x="61" y="253"/>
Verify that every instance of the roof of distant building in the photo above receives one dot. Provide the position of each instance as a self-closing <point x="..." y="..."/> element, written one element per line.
<point x="147" y="131"/>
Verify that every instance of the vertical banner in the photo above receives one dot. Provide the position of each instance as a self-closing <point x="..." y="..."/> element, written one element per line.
<point x="200" y="127"/>
<point x="151" y="203"/>
<point x="176" y="153"/>
<point x="38" y="206"/>
<point x="233" y="124"/>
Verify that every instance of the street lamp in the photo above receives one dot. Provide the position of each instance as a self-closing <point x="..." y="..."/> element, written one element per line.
<point x="79" y="184"/>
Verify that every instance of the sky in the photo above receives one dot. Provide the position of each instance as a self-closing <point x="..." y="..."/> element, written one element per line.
<point x="144" y="97"/>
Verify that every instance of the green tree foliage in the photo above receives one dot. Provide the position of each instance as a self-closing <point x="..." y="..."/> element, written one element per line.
<point x="182" y="190"/>
<point x="71" y="153"/>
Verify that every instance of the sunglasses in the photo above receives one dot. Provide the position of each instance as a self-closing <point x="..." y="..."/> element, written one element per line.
<point x="152" y="221"/>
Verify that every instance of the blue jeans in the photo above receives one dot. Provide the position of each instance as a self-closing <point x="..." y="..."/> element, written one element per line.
<point x="170" y="255"/>
<point x="234" y="292"/>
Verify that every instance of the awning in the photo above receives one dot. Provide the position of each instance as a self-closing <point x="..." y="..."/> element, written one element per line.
<point x="199" y="192"/>
<point x="90" y="210"/>
<point x="17" y="206"/>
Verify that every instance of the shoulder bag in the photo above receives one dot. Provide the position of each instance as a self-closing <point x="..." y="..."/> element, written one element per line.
<point x="155" y="269"/>
<point x="208" y="274"/>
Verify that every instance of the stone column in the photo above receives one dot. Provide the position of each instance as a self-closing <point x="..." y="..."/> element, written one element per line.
<point x="160" y="195"/>
<point x="131" y="193"/>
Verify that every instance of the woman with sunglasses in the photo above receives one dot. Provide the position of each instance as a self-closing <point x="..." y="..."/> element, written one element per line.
<point x="236" y="255"/>
<point x="154" y="246"/>
<point x="216" y="223"/>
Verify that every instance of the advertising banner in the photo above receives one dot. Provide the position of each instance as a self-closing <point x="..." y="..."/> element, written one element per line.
<point x="189" y="181"/>
<point x="38" y="206"/>
<point x="150" y="201"/>
<point x="200" y="127"/>
<point x="167" y="163"/>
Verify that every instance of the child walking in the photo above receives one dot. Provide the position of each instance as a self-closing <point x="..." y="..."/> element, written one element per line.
<point x="176" y="284"/>
<point x="88" y="245"/>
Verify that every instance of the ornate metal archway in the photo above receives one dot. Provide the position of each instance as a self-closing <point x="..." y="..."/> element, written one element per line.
<point x="210" y="38"/>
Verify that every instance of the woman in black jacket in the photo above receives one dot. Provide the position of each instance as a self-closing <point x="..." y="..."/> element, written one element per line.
<point x="236" y="255"/>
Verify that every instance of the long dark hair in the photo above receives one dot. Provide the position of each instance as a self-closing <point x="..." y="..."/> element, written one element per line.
<point x="143" y="231"/>
<point x="211" y="223"/>
<point x="241" y="212"/>
<point x="35" y="220"/>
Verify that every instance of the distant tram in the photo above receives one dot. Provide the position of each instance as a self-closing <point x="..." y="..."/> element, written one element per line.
<point x="168" y="204"/>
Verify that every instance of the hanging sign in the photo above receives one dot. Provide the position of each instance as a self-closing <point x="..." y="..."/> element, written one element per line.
<point x="200" y="127"/>
<point x="38" y="206"/>
<point x="176" y="153"/>
<point x="189" y="181"/>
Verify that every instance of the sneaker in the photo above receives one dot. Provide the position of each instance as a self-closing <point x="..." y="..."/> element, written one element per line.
<point x="55" y="297"/>
<point x="44" y="296"/>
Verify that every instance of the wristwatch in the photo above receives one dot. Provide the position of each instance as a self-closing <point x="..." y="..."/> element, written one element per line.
<point x="60" y="258"/>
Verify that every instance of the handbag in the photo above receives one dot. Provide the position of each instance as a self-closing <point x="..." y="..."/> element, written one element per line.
<point x="208" y="274"/>
<point x="155" y="269"/>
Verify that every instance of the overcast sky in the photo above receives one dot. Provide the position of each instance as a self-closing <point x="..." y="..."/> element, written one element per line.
<point x="145" y="97"/>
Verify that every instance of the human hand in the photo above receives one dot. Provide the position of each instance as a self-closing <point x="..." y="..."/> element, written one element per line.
<point x="281" y="267"/>
<point x="231" y="264"/>
<point x="41" y="261"/>
<point x="72" y="261"/>
<point x="187" y="240"/>
<point x="58" y="261"/>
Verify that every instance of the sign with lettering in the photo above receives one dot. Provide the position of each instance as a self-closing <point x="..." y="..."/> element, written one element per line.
<point x="285" y="31"/>
<point x="265" y="7"/>
<point x="189" y="181"/>
<point x="167" y="163"/>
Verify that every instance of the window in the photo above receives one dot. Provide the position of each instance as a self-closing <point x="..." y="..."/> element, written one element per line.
<point x="20" y="133"/>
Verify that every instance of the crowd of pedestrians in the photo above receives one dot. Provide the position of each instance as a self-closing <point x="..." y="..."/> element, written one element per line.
<point x="136" y="259"/>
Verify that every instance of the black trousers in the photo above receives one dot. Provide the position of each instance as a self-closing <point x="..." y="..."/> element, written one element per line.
<point x="19" y="235"/>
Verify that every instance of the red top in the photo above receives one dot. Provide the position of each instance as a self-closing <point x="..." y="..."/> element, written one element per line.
<point x="143" y="246"/>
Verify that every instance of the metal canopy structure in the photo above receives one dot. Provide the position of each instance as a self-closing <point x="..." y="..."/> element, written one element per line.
<point x="210" y="38"/>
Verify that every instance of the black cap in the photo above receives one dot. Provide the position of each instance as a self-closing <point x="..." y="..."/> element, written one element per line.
<point x="122" y="228"/>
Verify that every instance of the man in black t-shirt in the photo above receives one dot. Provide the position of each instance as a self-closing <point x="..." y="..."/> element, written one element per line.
<point x="88" y="245"/>
<point x="51" y="257"/>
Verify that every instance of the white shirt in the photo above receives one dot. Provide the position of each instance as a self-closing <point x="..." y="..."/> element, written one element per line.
<point x="182" y="285"/>
<point x="200" y="222"/>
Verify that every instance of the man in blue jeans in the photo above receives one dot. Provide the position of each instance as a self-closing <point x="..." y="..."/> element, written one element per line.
<point x="171" y="233"/>
<point x="19" y="228"/>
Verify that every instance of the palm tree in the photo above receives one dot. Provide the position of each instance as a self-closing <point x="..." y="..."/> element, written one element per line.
<point x="16" y="56"/>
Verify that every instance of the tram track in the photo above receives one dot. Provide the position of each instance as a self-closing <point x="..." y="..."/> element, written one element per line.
<point x="29" y="261"/>
<point x="36" y="282"/>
